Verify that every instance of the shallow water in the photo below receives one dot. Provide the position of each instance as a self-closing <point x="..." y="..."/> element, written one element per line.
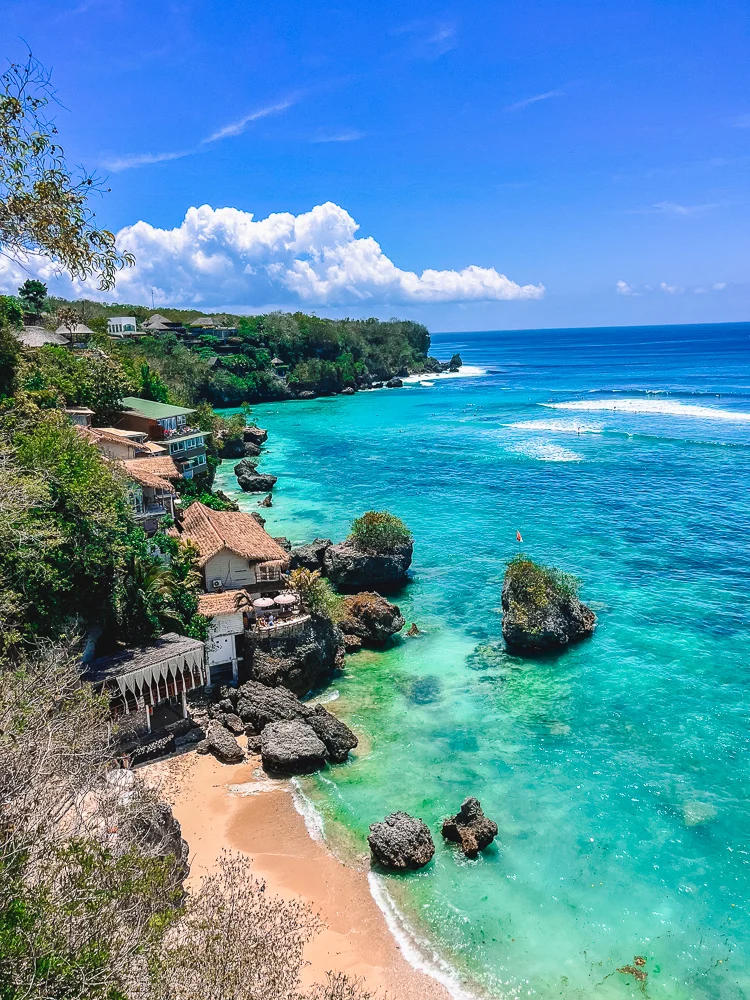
<point x="618" y="772"/>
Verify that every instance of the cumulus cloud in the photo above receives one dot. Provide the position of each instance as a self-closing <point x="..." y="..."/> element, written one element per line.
<point x="623" y="288"/>
<point x="224" y="256"/>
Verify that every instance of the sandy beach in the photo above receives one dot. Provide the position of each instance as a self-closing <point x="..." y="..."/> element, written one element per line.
<point x="215" y="815"/>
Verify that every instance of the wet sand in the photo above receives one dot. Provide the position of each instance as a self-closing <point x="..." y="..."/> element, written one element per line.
<point x="267" y="827"/>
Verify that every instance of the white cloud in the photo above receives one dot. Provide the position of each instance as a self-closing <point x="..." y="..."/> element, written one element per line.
<point x="350" y="135"/>
<point x="224" y="256"/>
<point x="671" y="289"/>
<point x="238" y="127"/>
<point x="534" y="99"/>
<point x="126" y="162"/>
<point x="672" y="208"/>
<point x="623" y="288"/>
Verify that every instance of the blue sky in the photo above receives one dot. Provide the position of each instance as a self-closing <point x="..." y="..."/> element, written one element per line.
<point x="572" y="146"/>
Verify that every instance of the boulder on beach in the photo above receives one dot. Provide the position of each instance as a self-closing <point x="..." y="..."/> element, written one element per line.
<point x="371" y="617"/>
<point x="233" y="723"/>
<point x="401" y="842"/>
<point x="351" y="568"/>
<point x="335" y="734"/>
<point x="470" y="828"/>
<point x="541" y="609"/>
<point x="221" y="743"/>
<point x="311" y="556"/>
<point x="292" y="747"/>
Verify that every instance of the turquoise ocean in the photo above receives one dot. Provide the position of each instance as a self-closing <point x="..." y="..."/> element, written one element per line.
<point x="618" y="771"/>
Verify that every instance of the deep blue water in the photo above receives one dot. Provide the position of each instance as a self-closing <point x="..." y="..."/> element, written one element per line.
<point x="618" y="771"/>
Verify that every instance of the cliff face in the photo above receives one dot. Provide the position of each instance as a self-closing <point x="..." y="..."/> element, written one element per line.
<point x="538" y="613"/>
<point x="349" y="568"/>
<point x="299" y="661"/>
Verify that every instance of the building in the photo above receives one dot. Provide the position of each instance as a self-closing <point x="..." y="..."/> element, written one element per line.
<point x="160" y="324"/>
<point x="168" y="425"/>
<point x="152" y="496"/>
<point x="240" y="562"/>
<point x="37" y="336"/>
<point x="80" y="416"/>
<point x="77" y="334"/>
<point x="121" y="326"/>
<point x="116" y="444"/>
<point x="149" y="683"/>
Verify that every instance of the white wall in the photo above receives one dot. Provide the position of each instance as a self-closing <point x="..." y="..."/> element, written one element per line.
<point x="231" y="569"/>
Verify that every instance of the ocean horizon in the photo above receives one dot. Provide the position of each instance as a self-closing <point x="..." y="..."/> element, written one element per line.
<point x="618" y="770"/>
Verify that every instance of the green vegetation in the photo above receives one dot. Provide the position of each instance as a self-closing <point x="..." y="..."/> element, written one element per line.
<point x="380" y="532"/>
<point x="536" y="585"/>
<point x="316" y="593"/>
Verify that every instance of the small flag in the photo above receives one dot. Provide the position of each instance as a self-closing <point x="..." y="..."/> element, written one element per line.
<point x="518" y="536"/>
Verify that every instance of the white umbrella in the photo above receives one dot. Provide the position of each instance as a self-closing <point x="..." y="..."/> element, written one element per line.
<point x="263" y="602"/>
<point x="285" y="599"/>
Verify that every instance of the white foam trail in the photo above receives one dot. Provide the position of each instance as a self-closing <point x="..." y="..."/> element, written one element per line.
<point x="416" y="950"/>
<point x="564" y="426"/>
<point x="465" y="371"/>
<point x="258" y="787"/>
<point x="308" y="812"/>
<point x="328" y="696"/>
<point x="545" y="451"/>
<point x="662" y="406"/>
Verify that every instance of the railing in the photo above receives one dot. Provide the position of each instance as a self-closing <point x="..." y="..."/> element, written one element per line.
<point x="282" y="625"/>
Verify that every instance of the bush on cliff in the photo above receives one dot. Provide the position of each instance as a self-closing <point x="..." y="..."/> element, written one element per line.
<point x="541" y="609"/>
<point x="378" y="531"/>
<point x="316" y="593"/>
<point x="539" y="585"/>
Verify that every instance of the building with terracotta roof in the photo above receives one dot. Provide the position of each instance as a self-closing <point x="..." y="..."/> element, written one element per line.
<point x="152" y="496"/>
<point x="167" y="425"/>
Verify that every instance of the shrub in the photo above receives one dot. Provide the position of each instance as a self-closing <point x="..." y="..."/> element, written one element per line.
<point x="316" y="593"/>
<point x="379" y="531"/>
<point x="537" y="584"/>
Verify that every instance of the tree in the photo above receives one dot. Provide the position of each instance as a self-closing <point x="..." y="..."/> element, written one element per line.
<point x="11" y="312"/>
<point x="379" y="531"/>
<point x="32" y="294"/>
<point x="44" y="208"/>
<point x="316" y="593"/>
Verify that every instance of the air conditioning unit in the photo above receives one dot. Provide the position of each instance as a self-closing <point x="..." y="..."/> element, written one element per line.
<point x="217" y="585"/>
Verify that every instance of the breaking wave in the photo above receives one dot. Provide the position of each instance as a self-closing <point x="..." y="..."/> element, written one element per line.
<point x="546" y="451"/>
<point x="562" y="426"/>
<point x="664" y="407"/>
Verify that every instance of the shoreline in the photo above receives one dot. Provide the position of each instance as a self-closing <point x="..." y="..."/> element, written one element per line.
<point x="232" y="807"/>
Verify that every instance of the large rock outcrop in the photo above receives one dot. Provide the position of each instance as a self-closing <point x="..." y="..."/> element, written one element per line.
<point x="401" y="842"/>
<point x="222" y="744"/>
<point x="371" y="617"/>
<point x="470" y="828"/>
<point x="252" y="481"/>
<point x="259" y="706"/>
<point x="292" y="747"/>
<point x="299" y="660"/>
<point x="351" y="568"/>
<point x="541" y="610"/>
<point x="310" y="556"/>
<point x="256" y="435"/>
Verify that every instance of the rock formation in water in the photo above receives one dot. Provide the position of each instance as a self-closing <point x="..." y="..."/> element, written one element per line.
<point x="310" y="556"/>
<point x="470" y="828"/>
<point x="351" y="568"/>
<point x="252" y="481"/>
<point x="413" y="630"/>
<point x="394" y="383"/>
<point x="541" y="609"/>
<point x="300" y="660"/>
<point x="267" y="501"/>
<point x="256" y="435"/>
<point x="401" y="842"/>
<point x="371" y="617"/>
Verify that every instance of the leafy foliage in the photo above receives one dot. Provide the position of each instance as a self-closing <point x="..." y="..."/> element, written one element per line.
<point x="316" y="593"/>
<point x="33" y="294"/>
<point x="537" y="585"/>
<point x="55" y="376"/>
<point x="379" y="531"/>
<point x="44" y="209"/>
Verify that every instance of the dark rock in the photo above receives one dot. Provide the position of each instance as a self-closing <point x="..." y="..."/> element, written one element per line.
<point x="254" y="744"/>
<point x="203" y="747"/>
<point x="394" y="383"/>
<point x="258" y="517"/>
<point x="306" y="394"/>
<point x="292" y="747"/>
<point x="259" y="704"/>
<point x="256" y="482"/>
<point x="352" y="643"/>
<point x="470" y="828"/>
<point x="349" y="391"/>
<point x="161" y="833"/>
<point x="371" y="617"/>
<point x="223" y="745"/>
<point x="285" y="544"/>
<point x="310" y="556"/>
<point x="227" y="704"/>
<point x="377" y="385"/>
<point x="413" y="630"/>
<point x="267" y="501"/>
<point x="197" y="735"/>
<point x="401" y="842"/>
<point x="533" y="623"/>
<point x="232" y="504"/>
<point x="336" y="735"/>
<point x="299" y="660"/>
<point x="233" y="723"/>
<point x="349" y="568"/>
<point x="179" y="728"/>
<point x="238" y="448"/>
<point x="255" y="434"/>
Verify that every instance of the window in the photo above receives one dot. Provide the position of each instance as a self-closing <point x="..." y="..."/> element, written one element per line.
<point x="267" y="572"/>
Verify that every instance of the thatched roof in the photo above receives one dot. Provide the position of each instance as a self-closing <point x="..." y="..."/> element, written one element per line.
<point x="37" y="336"/>
<point x="160" y="465"/>
<point x="214" y="530"/>
<point x="79" y="330"/>
<point x="224" y="603"/>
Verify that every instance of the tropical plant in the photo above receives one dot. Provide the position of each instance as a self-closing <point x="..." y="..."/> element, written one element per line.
<point x="537" y="585"/>
<point x="379" y="531"/>
<point x="44" y="209"/>
<point x="316" y="593"/>
<point x="32" y="293"/>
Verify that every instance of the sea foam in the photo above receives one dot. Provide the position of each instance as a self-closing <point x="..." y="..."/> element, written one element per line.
<point x="465" y="371"/>
<point x="417" y="950"/>
<point x="546" y="451"/>
<point x="308" y="812"/>
<point x="561" y="426"/>
<point x="667" y="407"/>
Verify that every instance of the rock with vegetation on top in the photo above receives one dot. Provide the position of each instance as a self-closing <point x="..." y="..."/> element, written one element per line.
<point x="292" y="747"/>
<point x="255" y="435"/>
<point x="470" y="828"/>
<point x="371" y="617"/>
<point x="310" y="556"/>
<point x="222" y="744"/>
<point x="335" y="734"/>
<point x="376" y="555"/>
<point x="541" y="609"/>
<point x="299" y="660"/>
<point x="401" y="842"/>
